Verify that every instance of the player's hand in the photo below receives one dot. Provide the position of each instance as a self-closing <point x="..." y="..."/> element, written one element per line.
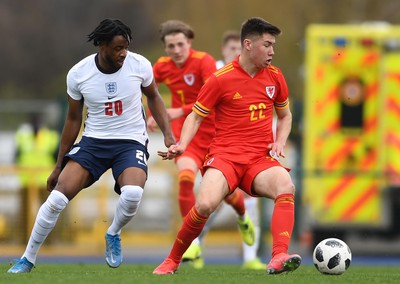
<point x="151" y="124"/>
<point x="53" y="179"/>
<point x="169" y="140"/>
<point x="173" y="152"/>
<point x="276" y="150"/>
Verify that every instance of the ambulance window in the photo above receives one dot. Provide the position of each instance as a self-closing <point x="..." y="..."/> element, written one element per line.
<point x="351" y="103"/>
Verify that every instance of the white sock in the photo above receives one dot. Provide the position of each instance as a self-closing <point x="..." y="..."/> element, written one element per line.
<point x="46" y="219"/>
<point x="128" y="204"/>
<point x="250" y="252"/>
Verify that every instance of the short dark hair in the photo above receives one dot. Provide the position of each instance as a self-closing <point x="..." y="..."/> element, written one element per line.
<point x="258" y="27"/>
<point x="230" y="35"/>
<point x="107" y="30"/>
<point x="175" y="26"/>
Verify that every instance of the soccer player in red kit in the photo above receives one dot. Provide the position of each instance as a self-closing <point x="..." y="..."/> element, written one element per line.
<point x="243" y="95"/>
<point x="184" y="71"/>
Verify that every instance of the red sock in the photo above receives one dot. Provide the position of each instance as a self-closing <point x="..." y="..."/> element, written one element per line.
<point x="236" y="200"/>
<point x="282" y="223"/>
<point x="186" y="196"/>
<point x="192" y="226"/>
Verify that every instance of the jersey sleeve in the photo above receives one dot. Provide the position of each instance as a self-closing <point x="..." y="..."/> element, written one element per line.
<point x="158" y="69"/>
<point x="156" y="73"/>
<point x="209" y="66"/>
<point x="72" y="85"/>
<point x="148" y="75"/>
<point x="207" y="98"/>
<point x="282" y="99"/>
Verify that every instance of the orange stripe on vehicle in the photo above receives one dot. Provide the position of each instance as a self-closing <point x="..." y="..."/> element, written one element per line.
<point x="369" y="160"/>
<point x="370" y="58"/>
<point x="333" y="126"/>
<point x="371" y="123"/>
<point x="366" y="195"/>
<point x="371" y="90"/>
<point x="330" y="98"/>
<point x="341" y="153"/>
<point x="393" y="174"/>
<point x="348" y="180"/>
<point x="319" y="73"/>
<point x="393" y="106"/>
<point x="339" y="55"/>
<point x="335" y="192"/>
<point x="392" y="169"/>
<point x="393" y="140"/>
<point x="395" y="76"/>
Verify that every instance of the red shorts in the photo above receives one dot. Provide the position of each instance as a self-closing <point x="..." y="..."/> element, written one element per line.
<point x="241" y="175"/>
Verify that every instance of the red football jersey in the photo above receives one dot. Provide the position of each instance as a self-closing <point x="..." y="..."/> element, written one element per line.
<point x="184" y="84"/>
<point x="244" y="109"/>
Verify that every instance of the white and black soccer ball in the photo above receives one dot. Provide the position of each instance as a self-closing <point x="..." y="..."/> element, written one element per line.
<point x="332" y="256"/>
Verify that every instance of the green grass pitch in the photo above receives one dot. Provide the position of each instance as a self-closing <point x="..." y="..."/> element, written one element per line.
<point x="138" y="274"/>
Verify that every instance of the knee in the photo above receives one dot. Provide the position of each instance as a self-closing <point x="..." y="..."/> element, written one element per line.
<point x="286" y="188"/>
<point x="291" y="188"/>
<point x="132" y="192"/>
<point x="57" y="201"/>
<point x="205" y="207"/>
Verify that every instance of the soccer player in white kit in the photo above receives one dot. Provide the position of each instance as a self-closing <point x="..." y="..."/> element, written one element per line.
<point x="110" y="84"/>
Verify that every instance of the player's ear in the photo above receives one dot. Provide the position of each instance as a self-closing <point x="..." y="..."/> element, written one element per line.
<point x="247" y="43"/>
<point x="102" y="46"/>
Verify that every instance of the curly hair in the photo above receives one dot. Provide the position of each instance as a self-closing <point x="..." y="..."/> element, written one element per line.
<point x="107" y="30"/>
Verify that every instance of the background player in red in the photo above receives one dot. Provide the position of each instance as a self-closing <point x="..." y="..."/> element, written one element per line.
<point x="184" y="71"/>
<point x="243" y="95"/>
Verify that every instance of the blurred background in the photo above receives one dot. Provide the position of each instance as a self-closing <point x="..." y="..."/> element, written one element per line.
<point x="341" y="60"/>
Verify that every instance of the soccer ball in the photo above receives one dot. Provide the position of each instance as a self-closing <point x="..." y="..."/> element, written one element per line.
<point x="332" y="256"/>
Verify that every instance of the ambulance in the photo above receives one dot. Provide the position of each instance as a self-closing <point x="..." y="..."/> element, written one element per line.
<point x="351" y="129"/>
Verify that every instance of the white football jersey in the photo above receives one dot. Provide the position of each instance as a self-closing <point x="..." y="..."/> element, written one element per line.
<point x="113" y="101"/>
<point x="220" y="64"/>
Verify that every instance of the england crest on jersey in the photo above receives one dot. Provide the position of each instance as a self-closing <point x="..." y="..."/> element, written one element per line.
<point x="270" y="91"/>
<point x="111" y="88"/>
<point x="189" y="79"/>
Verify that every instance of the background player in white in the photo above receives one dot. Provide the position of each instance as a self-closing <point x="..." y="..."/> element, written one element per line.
<point x="230" y="48"/>
<point x="110" y="84"/>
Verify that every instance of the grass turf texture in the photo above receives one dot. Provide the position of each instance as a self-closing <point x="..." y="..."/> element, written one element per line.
<point x="134" y="273"/>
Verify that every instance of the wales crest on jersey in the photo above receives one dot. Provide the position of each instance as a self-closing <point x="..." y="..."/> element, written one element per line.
<point x="189" y="79"/>
<point x="270" y="91"/>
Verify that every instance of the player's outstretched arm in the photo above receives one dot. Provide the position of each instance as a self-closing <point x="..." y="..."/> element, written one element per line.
<point x="72" y="126"/>
<point x="283" y="128"/>
<point x="158" y="110"/>
<point x="189" y="130"/>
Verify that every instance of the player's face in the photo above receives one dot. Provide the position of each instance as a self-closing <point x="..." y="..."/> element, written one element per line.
<point x="112" y="55"/>
<point x="231" y="50"/>
<point x="177" y="46"/>
<point x="261" y="50"/>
